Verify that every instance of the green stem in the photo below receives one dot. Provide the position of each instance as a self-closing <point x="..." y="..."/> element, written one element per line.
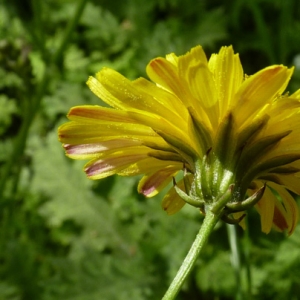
<point x="235" y="260"/>
<point x="206" y="229"/>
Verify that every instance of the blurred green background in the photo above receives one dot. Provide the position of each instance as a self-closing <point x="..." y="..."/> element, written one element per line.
<point x="63" y="236"/>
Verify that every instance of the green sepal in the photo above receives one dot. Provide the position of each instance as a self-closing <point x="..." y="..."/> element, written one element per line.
<point x="248" y="203"/>
<point x="197" y="187"/>
<point x="254" y="152"/>
<point x="251" y="131"/>
<point x="276" y="162"/>
<point x="265" y="167"/>
<point x="216" y="175"/>
<point x="286" y="170"/>
<point x="220" y="203"/>
<point x="271" y="177"/>
<point x="185" y="197"/>
<point x="186" y="181"/>
<point x="163" y="155"/>
<point x="155" y="146"/>
<point x="202" y="131"/>
<point x="205" y="177"/>
<point x="180" y="147"/>
<point x="225" y="140"/>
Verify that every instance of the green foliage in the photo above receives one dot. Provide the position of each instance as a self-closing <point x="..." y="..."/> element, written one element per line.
<point x="65" y="237"/>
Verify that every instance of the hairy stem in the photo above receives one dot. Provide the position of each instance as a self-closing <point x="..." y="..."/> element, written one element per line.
<point x="206" y="229"/>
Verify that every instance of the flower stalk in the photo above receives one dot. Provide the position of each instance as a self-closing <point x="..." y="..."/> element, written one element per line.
<point x="209" y="222"/>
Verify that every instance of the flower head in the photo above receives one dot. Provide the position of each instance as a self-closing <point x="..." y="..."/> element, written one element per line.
<point x="234" y="136"/>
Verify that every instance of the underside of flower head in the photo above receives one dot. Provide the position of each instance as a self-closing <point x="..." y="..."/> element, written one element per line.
<point x="231" y="135"/>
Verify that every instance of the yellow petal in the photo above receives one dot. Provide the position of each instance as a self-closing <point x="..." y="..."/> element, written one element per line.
<point x="172" y="71"/>
<point x="190" y="60"/>
<point x="169" y="100"/>
<point x="296" y="95"/>
<point x="237" y="215"/>
<point x="172" y="203"/>
<point x="98" y="89"/>
<point x="172" y="58"/>
<point x="137" y="96"/>
<point x="259" y="90"/>
<point x="228" y="75"/>
<point x="149" y="165"/>
<point x="203" y="89"/>
<point x="283" y="108"/>
<point x="165" y="74"/>
<point x="78" y="133"/>
<point x="289" y="181"/>
<point x="265" y="207"/>
<point x="175" y="76"/>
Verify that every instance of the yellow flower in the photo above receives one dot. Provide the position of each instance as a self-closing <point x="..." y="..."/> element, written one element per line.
<point x="232" y="134"/>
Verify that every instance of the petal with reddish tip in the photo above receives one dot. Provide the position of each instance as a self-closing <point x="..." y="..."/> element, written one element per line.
<point x="97" y="114"/>
<point x="290" y="205"/>
<point x="151" y="184"/>
<point x="98" y="89"/>
<point x="279" y="219"/>
<point x="88" y="151"/>
<point x="165" y="74"/>
<point x="112" y="162"/>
